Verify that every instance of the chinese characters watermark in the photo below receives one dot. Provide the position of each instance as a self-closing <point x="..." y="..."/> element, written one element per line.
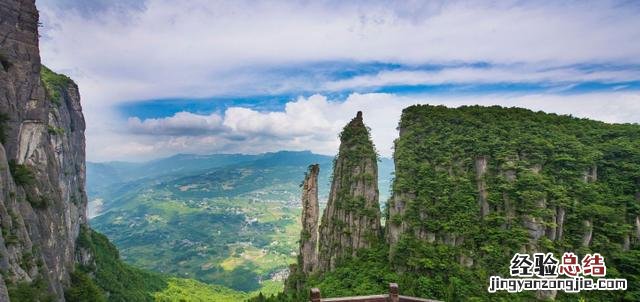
<point x="542" y="271"/>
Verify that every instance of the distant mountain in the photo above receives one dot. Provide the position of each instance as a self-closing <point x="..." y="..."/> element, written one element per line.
<point x="103" y="176"/>
<point x="112" y="181"/>
<point x="228" y="219"/>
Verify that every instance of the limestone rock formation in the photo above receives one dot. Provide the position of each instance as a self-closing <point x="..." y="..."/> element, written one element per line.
<point x="308" y="253"/>
<point x="351" y="220"/>
<point x="468" y="178"/>
<point x="474" y="185"/>
<point x="42" y="163"/>
<point x="310" y="214"/>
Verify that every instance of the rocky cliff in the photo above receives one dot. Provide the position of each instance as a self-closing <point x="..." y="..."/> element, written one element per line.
<point x="480" y="184"/>
<point x="308" y="254"/>
<point x="310" y="216"/>
<point x="351" y="220"/>
<point x="42" y="164"/>
<point x="473" y="186"/>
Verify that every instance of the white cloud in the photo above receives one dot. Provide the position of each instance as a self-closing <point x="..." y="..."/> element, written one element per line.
<point x="182" y="123"/>
<point x="313" y="123"/>
<point x="165" y="48"/>
<point x="497" y="74"/>
<point x="201" y="48"/>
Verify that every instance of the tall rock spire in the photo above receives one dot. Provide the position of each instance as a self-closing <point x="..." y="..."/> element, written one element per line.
<point x="310" y="212"/>
<point x="351" y="219"/>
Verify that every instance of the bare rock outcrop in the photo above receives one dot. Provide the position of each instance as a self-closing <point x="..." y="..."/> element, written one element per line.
<point x="310" y="216"/>
<point x="481" y="170"/>
<point x="42" y="163"/>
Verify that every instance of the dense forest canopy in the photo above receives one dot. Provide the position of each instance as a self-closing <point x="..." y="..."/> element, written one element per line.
<point x="474" y="185"/>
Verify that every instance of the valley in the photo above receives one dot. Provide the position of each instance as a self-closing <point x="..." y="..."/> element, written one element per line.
<point x="230" y="220"/>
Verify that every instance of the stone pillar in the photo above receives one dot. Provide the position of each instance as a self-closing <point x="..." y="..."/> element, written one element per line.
<point x="351" y="220"/>
<point x="310" y="213"/>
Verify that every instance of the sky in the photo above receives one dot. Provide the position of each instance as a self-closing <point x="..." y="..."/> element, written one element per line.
<point x="160" y="77"/>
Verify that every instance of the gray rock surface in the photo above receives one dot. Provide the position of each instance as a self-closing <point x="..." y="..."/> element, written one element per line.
<point x="481" y="170"/>
<point x="310" y="216"/>
<point x="42" y="197"/>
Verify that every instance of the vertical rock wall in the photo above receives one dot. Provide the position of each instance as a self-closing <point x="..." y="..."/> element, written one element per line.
<point x="489" y="182"/>
<point x="42" y="164"/>
<point x="310" y="214"/>
<point x="481" y="170"/>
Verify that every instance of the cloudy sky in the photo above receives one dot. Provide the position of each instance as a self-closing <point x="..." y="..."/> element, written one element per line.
<point x="159" y="77"/>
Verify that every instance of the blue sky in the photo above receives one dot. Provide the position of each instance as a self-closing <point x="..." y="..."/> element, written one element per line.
<point x="159" y="77"/>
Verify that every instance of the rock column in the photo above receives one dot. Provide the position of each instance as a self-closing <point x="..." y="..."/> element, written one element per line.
<point x="310" y="213"/>
<point x="351" y="220"/>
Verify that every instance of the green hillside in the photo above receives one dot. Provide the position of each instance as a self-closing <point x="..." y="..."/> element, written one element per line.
<point x="230" y="220"/>
<point x="114" y="281"/>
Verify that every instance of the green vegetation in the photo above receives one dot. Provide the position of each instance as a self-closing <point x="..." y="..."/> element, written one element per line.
<point x="362" y="275"/>
<point x="38" y="202"/>
<point x="22" y="174"/>
<point x="83" y="289"/>
<point x="539" y="167"/>
<point x="55" y="130"/>
<point x="230" y="220"/>
<point x="122" y="282"/>
<point x="552" y="157"/>
<point x="365" y="274"/>
<point x="54" y="84"/>
<point x="225" y="241"/>
<point x="35" y="291"/>
<point x="356" y="142"/>
<point x="115" y="281"/>
<point x="193" y="291"/>
<point x="267" y="177"/>
<point x="356" y="149"/>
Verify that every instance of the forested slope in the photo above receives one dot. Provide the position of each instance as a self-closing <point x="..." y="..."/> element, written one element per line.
<point x="474" y="185"/>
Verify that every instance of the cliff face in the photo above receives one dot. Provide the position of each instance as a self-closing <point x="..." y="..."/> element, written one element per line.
<point x="310" y="214"/>
<point x="485" y="183"/>
<point x="42" y="164"/>
<point x="351" y="219"/>
<point x="473" y="186"/>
